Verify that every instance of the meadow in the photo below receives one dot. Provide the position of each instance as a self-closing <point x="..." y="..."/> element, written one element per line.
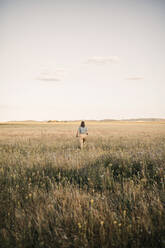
<point x="110" y="194"/>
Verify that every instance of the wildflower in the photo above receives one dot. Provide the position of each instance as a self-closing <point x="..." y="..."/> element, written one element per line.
<point x="119" y="224"/>
<point x="79" y="225"/>
<point x="124" y="213"/>
<point x="92" y="201"/>
<point x="101" y="223"/>
<point x="30" y="195"/>
<point x="144" y="180"/>
<point x="115" y="222"/>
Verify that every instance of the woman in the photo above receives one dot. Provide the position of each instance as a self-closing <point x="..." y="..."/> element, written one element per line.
<point x="82" y="133"/>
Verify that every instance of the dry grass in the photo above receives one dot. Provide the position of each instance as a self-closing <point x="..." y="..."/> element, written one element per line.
<point x="111" y="194"/>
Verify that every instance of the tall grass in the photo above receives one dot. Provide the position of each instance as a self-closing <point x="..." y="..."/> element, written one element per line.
<point x="110" y="194"/>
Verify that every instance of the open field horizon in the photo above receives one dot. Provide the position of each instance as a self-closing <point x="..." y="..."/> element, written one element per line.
<point x="110" y="194"/>
<point x="151" y="119"/>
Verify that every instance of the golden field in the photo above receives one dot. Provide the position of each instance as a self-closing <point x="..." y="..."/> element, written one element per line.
<point x="110" y="194"/>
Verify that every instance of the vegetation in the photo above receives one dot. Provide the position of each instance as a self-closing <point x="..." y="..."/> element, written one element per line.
<point x="110" y="194"/>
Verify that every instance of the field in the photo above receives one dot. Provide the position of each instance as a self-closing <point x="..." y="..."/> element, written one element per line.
<point x="110" y="194"/>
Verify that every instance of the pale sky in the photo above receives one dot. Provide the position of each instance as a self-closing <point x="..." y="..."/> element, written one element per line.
<point x="82" y="59"/>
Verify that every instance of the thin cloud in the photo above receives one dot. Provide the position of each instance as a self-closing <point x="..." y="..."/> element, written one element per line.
<point x="102" y="60"/>
<point x="8" y="107"/>
<point x="135" y="78"/>
<point x="4" y="106"/>
<point x="48" y="75"/>
<point x="48" y="79"/>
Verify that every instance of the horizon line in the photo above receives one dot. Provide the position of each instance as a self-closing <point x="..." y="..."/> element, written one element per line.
<point x="75" y="120"/>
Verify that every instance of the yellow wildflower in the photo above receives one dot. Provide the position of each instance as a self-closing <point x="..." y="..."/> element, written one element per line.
<point x="101" y="223"/>
<point x="79" y="225"/>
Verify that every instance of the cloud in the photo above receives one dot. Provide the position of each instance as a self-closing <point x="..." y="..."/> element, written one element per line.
<point x="49" y="79"/>
<point x="51" y="75"/>
<point x="8" y="107"/>
<point x="3" y="106"/>
<point x="135" y="78"/>
<point x="102" y="60"/>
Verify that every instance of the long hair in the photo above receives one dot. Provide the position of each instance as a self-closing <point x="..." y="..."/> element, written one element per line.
<point x="83" y="124"/>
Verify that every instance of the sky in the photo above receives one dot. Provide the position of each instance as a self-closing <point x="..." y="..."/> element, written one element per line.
<point x="82" y="59"/>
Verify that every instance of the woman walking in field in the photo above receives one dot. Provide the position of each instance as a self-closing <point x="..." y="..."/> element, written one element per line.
<point x="82" y="133"/>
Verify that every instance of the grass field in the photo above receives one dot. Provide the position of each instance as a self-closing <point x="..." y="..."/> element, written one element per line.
<point x="110" y="194"/>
